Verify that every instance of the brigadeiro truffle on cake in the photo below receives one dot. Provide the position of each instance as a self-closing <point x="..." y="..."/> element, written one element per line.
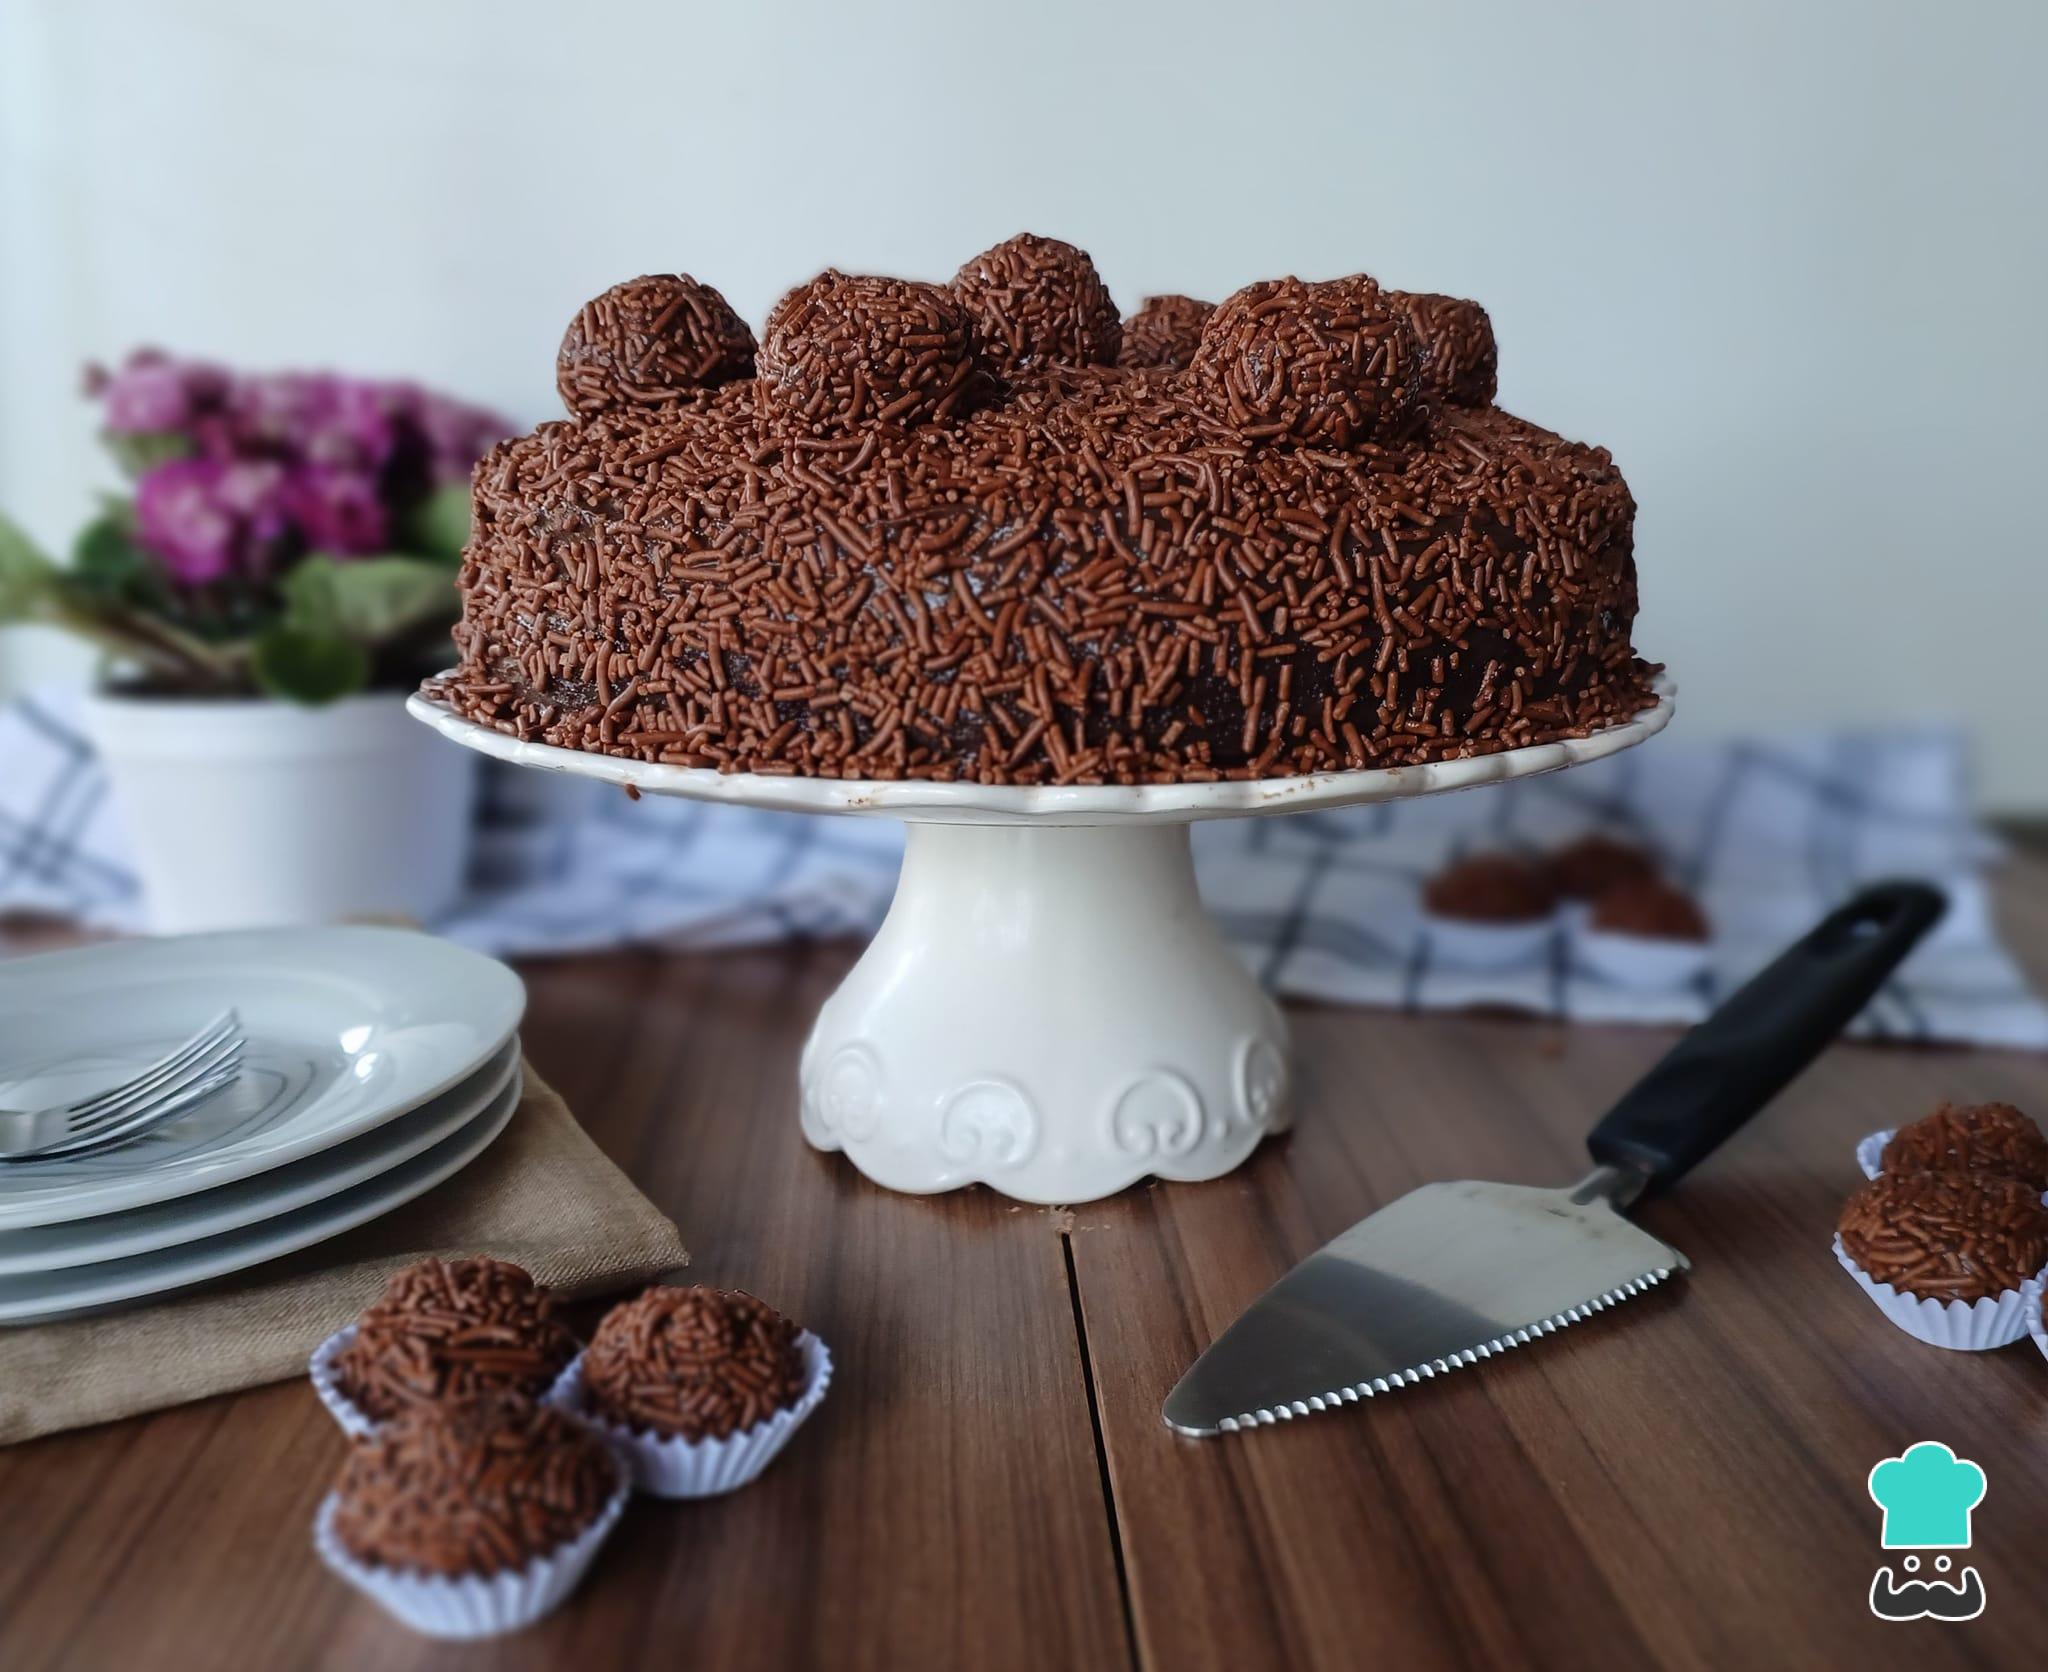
<point x="472" y="1517"/>
<point x="697" y="1388"/>
<point x="1946" y="1256"/>
<point x="443" y="1329"/>
<point x="1489" y="910"/>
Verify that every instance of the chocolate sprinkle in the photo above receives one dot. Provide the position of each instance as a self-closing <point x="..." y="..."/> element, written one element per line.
<point x="1038" y="303"/>
<point x="877" y="560"/>
<point x="479" y="1487"/>
<point x="1164" y="333"/>
<point x="648" y="341"/>
<point x="449" y="1329"/>
<point x="1981" y="1137"/>
<point x="693" y="1363"/>
<point x="1490" y="888"/>
<point x="1947" y="1236"/>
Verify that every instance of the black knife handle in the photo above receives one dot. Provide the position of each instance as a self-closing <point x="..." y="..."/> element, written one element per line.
<point x="1734" y="1062"/>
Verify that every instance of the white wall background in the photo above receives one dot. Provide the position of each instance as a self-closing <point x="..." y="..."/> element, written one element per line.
<point x="1787" y="258"/>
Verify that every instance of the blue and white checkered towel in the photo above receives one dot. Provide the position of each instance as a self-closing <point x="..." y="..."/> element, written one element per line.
<point x="1323" y="904"/>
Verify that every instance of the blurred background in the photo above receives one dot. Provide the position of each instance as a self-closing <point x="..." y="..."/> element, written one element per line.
<point x="1785" y="261"/>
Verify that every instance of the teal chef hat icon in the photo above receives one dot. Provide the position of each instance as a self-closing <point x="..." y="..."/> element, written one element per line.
<point x="1927" y="1494"/>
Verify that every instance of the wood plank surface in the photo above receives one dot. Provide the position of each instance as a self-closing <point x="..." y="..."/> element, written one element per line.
<point x="944" y="1508"/>
<point x="1679" y="1483"/>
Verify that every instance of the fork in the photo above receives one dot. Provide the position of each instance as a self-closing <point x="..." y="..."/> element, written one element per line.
<point x="209" y="1060"/>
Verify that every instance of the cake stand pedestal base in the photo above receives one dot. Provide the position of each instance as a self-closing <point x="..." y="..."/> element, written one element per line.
<point x="1048" y="1010"/>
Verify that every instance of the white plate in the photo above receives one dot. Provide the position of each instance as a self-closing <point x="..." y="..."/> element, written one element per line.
<point x="43" y="1296"/>
<point x="348" y="1028"/>
<point x="115" y="1236"/>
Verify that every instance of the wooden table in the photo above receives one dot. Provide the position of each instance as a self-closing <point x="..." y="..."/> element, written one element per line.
<point x="1678" y="1483"/>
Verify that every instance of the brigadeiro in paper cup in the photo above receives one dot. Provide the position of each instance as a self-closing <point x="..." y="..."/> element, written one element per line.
<point x="1490" y="911"/>
<point x="1946" y="1256"/>
<point x="441" y="1330"/>
<point x="1961" y="1138"/>
<point x="474" y="1517"/>
<point x="697" y="1389"/>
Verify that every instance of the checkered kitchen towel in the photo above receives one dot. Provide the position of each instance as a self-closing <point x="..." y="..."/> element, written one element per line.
<point x="1321" y="904"/>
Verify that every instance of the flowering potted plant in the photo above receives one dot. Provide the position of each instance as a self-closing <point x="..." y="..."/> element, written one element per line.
<point x="281" y="573"/>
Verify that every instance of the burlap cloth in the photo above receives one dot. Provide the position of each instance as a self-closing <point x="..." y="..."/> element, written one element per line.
<point x="541" y="1195"/>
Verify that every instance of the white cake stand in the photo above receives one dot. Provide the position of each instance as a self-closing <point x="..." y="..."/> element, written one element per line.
<point x="1047" y="1010"/>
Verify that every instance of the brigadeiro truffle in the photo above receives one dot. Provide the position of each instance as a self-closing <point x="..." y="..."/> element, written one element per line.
<point x="698" y="1388"/>
<point x="846" y="349"/>
<point x="445" y="1329"/>
<point x="473" y="1517"/>
<point x="1980" y="1137"/>
<point x="1650" y="909"/>
<point x="1461" y="365"/>
<point x="1592" y="865"/>
<point x="1038" y="303"/>
<point x="648" y="341"/>
<point x="1327" y="365"/>
<point x="1490" y="888"/>
<point x="1945" y="1255"/>
<point x="1164" y="333"/>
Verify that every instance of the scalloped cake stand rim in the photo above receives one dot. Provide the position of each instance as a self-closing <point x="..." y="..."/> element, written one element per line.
<point x="928" y="800"/>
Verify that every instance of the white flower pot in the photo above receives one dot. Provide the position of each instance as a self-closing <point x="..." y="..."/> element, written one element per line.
<point x="250" y="814"/>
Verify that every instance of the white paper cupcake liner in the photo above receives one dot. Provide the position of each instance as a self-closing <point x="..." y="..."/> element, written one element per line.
<point x="1488" y="946"/>
<point x="665" y="1467"/>
<point x="1870" y="1152"/>
<point x="436" y="1606"/>
<point x="1964" y="1326"/>
<point x="1641" y="960"/>
<point x="356" y="1423"/>
<point x="2030" y="1310"/>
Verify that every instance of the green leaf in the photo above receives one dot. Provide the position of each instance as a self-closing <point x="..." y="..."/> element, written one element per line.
<point x="308" y="667"/>
<point x="27" y="576"/>
<point x="369" y="599"/>
<point x="105" y="560"/>
<point x="439" y="524"/>
<point x="138" y="455"/>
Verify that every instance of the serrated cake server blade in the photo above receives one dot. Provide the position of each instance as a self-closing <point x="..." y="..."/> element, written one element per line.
<point x="1453" y="1273"/>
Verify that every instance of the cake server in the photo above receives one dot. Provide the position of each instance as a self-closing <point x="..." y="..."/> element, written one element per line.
<point x="1453" y="1273"/>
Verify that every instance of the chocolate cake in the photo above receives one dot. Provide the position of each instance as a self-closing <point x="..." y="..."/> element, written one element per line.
<point x="986" y="531"/>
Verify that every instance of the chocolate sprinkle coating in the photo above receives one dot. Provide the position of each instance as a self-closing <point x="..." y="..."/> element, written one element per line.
<point x="693" y="1363"/>
<point x="1460" y="365"/>
<point x="451" y="1329"/>
<point x="1593" y="864"/>
<point x="877" y="561"/>
<point x="1326" y="365"/>
<point x="1947" y="1236"/>
<point x="1649" y="908"/>
<point x="479" y="1487"/>
<point x="846" y="349"/>
<point x="1039" y="303"/>
<point x="648" y="342"/>
<point x="1490" y="888"/>
<point x="1980" y="1137"/>
<point x="1164" y="333"/>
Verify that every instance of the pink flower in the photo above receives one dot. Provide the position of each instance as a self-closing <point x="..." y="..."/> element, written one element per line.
<point x="207" y="519"/>
<point x="338" y="510"/>
<point x="153" y="394"/>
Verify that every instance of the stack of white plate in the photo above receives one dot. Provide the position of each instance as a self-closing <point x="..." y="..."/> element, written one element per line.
<point x="379" y="1063"/>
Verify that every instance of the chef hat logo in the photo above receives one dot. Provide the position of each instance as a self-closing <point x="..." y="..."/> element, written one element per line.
<point x="1927" y="1493"/>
